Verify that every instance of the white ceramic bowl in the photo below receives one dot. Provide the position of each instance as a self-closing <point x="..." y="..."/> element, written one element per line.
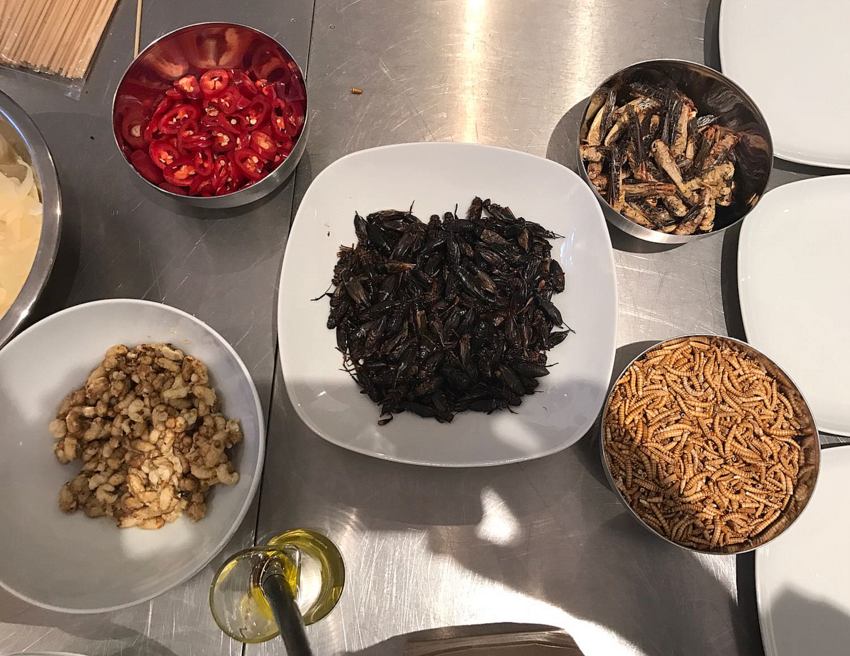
<point x="72" y="563"/>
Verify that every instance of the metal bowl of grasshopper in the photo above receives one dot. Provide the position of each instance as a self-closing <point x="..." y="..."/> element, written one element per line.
<point x="674" y="150"/>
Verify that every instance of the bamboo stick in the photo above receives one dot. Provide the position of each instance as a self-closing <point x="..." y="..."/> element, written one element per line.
<point x="55" y="36"/>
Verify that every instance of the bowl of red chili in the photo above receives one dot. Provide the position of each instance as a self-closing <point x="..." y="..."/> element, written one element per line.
<point x="212" y="113"/>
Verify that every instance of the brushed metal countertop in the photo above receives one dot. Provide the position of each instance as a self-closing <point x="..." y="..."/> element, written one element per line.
<point x="544" y="542"/>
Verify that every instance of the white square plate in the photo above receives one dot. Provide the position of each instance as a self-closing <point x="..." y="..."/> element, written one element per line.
<point x="792" y="284"/>
<point x="437" y="176"/>
<point x="802" y="577"/>
<point x="791" y="57"/>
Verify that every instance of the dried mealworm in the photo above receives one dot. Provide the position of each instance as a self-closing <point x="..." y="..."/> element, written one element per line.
<point x="706" y="442"/>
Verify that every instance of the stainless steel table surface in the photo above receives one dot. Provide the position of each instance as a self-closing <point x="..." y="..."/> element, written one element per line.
<point x="544" y="542"/>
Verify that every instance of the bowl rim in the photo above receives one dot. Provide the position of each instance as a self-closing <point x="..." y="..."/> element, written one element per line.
<point x="51" y="216"/>
<point x="639" y="231"/>
<point x="233" y="194"/>
<point x="610" y="478"/>
<point x="257" y="473"/>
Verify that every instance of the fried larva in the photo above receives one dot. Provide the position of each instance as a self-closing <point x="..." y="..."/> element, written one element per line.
<point x="149" y="432"/>
<point x="701" y="441"/>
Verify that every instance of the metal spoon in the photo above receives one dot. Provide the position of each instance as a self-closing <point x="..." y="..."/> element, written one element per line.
<point x="282" y="602"/>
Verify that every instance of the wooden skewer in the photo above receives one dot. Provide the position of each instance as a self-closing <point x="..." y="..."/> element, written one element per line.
<point x="99" y="27"/>
<point x="55" y="36"/>
<point x="76" y="37"/>
<point x="83" y="58"/>
<point x="12" y="35"/>
<point x="54" y="7"/>
<point x="30" y="31"/>
<point x="60" y="26"/>
<point x="137" y="40"/>
<point x="65" y="36"/>
<point x="33" y="9"/>
<point x="26" y="55"/>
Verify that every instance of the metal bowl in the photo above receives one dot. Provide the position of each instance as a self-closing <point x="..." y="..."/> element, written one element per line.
<point x="809" y="442"/>
<point x="713" y="93"/>
<point x="17" y="127"/>
<point x="191" y="50"/>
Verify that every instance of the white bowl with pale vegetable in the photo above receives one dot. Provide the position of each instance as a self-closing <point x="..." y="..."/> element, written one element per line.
<point x="133" y="442"/>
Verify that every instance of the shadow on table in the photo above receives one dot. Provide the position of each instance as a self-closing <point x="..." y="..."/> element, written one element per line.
<point x="88" y="628"/>
<point x="729" y="283"/>
<point x="549" y="529"/>
<point x="128" y="632"/>
<point x="711" y="41"/>
<point x="827" y="629"/>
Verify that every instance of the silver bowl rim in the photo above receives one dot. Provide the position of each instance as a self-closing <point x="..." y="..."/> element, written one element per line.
<point x="225" y="200"/>
<point x="639" y="231"/>
<point x="610" y="477"/>
<point x="51" y="220"/>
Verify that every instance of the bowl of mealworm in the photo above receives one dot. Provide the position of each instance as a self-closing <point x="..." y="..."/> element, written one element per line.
<point x="709" y="444"/>
<point x="674" y="150"/>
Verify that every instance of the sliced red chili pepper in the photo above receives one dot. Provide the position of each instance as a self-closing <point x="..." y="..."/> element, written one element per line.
<point x="226" y="177"/>
<point x="285" y="122"/>
<point x="261" y="85"/>
<point x="151" y="130"/>
<point x="222" y="140"/>
<point x="220" y="169"/>
<point x="284" y="147"/>
<point x="214" y="81"/>
<point x="222" y="123"/>
<point x="236" y="123"/>
<point x="293" y="122"/>
<point x="278" y="117"/>
<point x="146" y="168"/>
<point x="201" y="186"/>
<point x="243" y="140"/>
<point x="204" y="163"/>
<point x="230" y="185"/>
<point x="163" y="154"/>
<point x="256" y="112"/>
<point x="191" y="138"/>
<point x="133" y="128"/>
<point x="263" y="144"/>
<point x="174" y="118"/>
<point x="161" y="107"/>
<point x="189" y="85"/>
<point x="249" y="162"/>
<point x="244" y="83"/>
<point x="180" y="174"/>
<point x="230" y="100"/>
<point x="210" y="121"/>
<point x="174" y="189"/>
<point x="174" y="94"/>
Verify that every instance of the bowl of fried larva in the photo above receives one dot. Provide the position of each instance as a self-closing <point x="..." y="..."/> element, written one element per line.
<point x="116" y="416"/>
<point x="709" y="444"/>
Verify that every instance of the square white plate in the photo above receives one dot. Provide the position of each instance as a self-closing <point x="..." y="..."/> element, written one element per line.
<point x="792" y="283"/>
<point x="792" y="57"/>
<point x="437" y="176"/>
<point x="802" y="577"/>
